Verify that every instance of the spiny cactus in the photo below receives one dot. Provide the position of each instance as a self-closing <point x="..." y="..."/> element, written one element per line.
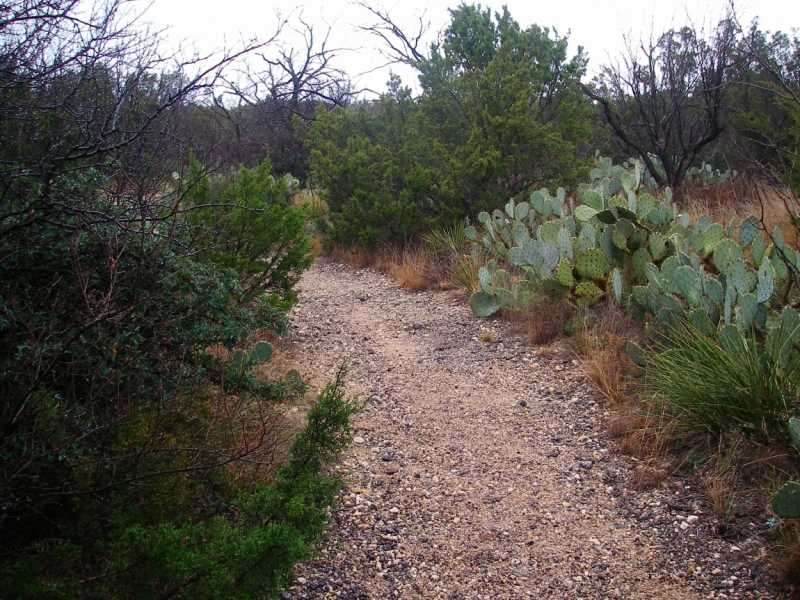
<point x="261" y="352"/>
<point x="654" y="259"/>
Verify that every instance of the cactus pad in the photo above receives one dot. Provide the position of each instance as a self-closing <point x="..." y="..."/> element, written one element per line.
<point x="237" y="359"/>
<point x="516" y="257"/>
<point x="505" y="298"/>
<point x="483" y="305"/>
<point x="592" y="199"/>
<point x="656" y="216"/>
<point x="702" y="322"/>
<point x="563" y="273"/>
<point x="794" y="431"/>
<point x="639" y="261"/>
<point x="261" y="352"/>
<point x="713" y="289"/>
<point x="766" y="283"/>
<point x="747" y="309"/>
<point x="688" y="284"/>
<point x="645" y="205"/>
<point x="471" y="233"/>
<point x="550" y="255"/>
<point x="757" y="250"/>
<point x="485" y="280"/>
<point x="653" y="275"/>
<point x="520" y="234"/>
<point x="668" y="268"/>
<point x="702" y="224"/>
<point x="616" y="285"/>
<point x="564" y="244"/>
<point x="619" y="240"/>
<point x="725" y="253"/>
<point x="748" y="230"/>
<point x="588" y="290"/>
<point x="658" y="246"/>
<point x="712" y="236"/>
<point x="636" y="354"/>
<point x="737" y="276"/>
<point x="607" y="217"/>
<point x="786" y="501"/>
<point x="549" y="231"/>
<point x="584" y="213"/>
<point x="591" y="264"/>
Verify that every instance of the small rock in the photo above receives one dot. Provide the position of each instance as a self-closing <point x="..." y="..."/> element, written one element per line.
<point x="523" y="404"/>
<point x="358" y="440"/>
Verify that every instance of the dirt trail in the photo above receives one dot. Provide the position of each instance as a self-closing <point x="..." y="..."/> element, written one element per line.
<point x="481" y="470"/>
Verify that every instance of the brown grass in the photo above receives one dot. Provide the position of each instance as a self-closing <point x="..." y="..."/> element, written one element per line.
<point x="412" y="267"/>
<point x="738" y="200"/>
<point x="545" y="322"/>
<point x="602" y="347"/>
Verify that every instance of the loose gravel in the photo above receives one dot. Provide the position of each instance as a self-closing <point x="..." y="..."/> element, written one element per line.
<point x="482" y="469"/>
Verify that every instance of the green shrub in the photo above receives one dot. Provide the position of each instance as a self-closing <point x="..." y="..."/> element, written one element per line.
<point x="239" y="543"/>
<point x="246" y="221"/>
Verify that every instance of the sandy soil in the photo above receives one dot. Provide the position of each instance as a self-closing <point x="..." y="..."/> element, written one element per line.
<point x="481" y="469"/>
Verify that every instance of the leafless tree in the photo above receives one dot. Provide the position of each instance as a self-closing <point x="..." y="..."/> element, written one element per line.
<point x="398" y="46"/>
<point x="261" y="99"/>
<point x="666" y="100"/>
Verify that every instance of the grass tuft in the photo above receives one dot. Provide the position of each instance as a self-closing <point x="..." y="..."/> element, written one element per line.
<point x="545" y="322"/>
<point x="715" y="391"/>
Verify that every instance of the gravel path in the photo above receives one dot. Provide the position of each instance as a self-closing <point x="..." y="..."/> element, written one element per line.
<point x="483" y="470"/>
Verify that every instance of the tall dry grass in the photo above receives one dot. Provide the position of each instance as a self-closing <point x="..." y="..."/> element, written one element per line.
<point x="737" y="200"/>
<point x="412" y="267"/>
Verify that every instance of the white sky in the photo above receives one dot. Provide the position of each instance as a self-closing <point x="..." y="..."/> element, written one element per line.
<point x="597" y="25"/>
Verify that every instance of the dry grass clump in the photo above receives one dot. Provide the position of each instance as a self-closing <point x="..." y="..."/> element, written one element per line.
<point x="411" y="267"/>
<point x="739" y="199"/>
<point x="601" y="344"/>
<point x="545" y="322"/>
<point x="355" y="257"/>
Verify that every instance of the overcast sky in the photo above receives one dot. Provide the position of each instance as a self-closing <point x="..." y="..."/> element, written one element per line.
<point x="597" y="25"/>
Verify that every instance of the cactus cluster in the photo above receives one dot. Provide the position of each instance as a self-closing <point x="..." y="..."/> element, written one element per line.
<point x="581" y="252"/>
<point x="616" y="240"/>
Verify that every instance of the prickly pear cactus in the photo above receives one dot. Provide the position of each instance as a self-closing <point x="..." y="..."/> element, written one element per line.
<point x="261" y="352"/>
<point x="663" y="265"/>
<point x="483" y="305"/>
<point x="786" y="501"/>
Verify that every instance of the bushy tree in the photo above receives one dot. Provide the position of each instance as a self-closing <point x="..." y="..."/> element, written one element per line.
<point x="246" y="221"/>
<point x="500" y="113"/>
<point x="767" y="99"/>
